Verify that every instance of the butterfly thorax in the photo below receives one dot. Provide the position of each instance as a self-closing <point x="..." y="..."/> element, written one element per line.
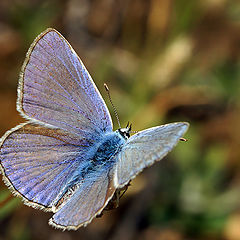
<point x="101" y="155"/>
<point x="108" y="148"/>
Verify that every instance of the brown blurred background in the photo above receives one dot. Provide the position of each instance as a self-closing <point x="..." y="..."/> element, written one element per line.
<point x="163" y="61"/>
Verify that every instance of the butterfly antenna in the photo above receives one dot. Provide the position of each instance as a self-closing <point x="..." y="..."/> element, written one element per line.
<point x="134" y="131"/>
<point x="110" y="99"/>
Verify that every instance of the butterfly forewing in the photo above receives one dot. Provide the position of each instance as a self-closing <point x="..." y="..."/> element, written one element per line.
<point x="55" y="88"/>
<point x="144" y="148"/>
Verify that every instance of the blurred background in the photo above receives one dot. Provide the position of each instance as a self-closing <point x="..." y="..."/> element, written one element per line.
<point x="164" y="61"/>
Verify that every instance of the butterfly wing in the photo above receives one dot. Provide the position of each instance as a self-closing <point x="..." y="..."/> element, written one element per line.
<point x="146" y="147"/>
<point x="88" y="200"/>
<point x="56" y="89"/>
<point x="37" y="163"/>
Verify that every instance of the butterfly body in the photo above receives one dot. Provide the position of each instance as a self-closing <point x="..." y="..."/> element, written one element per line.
<point x="102" y="156"/>
<point x="108" y="148"/>
<point x="67" y="159"/>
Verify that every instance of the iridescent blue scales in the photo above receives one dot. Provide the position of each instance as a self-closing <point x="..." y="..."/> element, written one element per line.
<point x="67" y="159"/>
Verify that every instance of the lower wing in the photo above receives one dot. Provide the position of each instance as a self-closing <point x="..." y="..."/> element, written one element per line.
<point x="37" y="162"/>
<point x="88" y="198"/>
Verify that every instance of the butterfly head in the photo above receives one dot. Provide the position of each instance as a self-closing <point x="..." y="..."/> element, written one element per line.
<point x="125" y="132"/>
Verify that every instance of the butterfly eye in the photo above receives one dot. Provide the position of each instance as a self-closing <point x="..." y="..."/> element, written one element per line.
<point x="126" y="135"/>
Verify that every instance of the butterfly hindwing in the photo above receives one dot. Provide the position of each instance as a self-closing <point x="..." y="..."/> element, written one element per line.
<point x="90" y="197"/>
<point x="37" y="163"/>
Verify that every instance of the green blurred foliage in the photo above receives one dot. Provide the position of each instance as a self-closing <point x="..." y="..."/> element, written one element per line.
<point x="164" y="61"/>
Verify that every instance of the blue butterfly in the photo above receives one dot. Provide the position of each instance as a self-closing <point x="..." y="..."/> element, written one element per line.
<point x="66" y="158"/>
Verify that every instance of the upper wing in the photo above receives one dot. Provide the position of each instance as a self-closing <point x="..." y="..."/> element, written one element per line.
<point x="37" y="163"/>
<point x="146" y="147"/>
<point x="56" y="89"/>
<point x="86" y="200"/>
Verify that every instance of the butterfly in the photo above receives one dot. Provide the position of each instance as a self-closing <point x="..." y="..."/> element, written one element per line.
<point x="66" y="158"/>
